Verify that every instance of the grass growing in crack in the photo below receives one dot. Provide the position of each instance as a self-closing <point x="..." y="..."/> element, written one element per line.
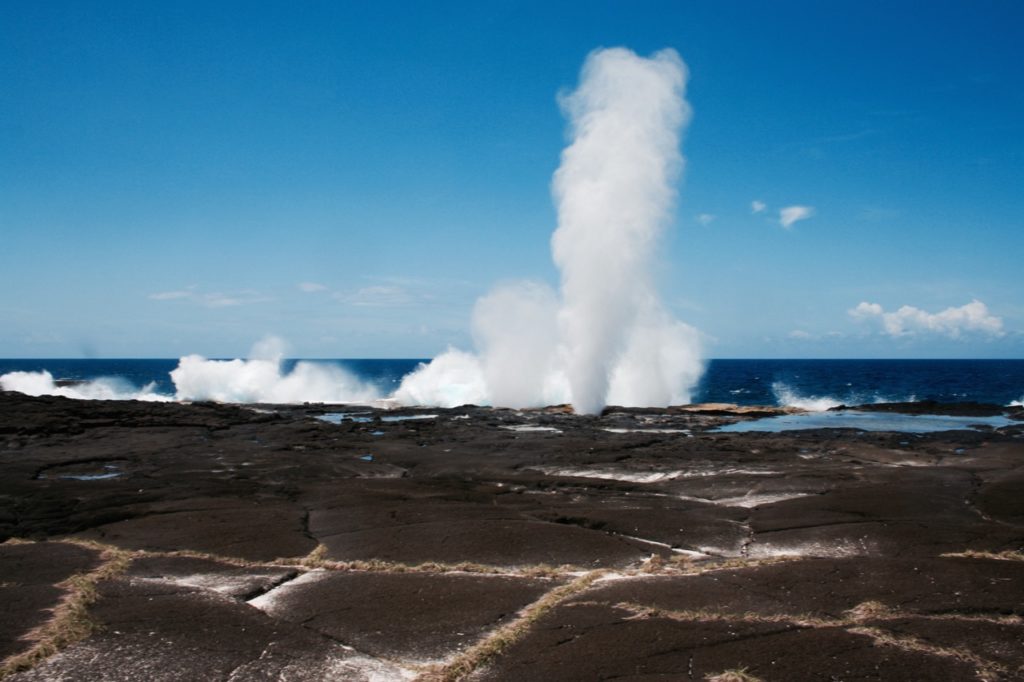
<point x="986" y="670"/>
<point x="735" y="675"/>
<point x="640" y="611"/>
<point x="852" y="622"/>
<point x="70" y="621"/>
<point x="501" y="639"/>
<point x="871" y="610"/>
<point x="1008" y="555"/>
<point x="318" y="559"/>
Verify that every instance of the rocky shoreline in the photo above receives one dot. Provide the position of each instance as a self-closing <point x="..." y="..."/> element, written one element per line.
<point x="205" y="541"/>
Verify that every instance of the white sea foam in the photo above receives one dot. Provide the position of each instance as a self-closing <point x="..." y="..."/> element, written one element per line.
<point x="788" y="397"/>
<point x="104" y="388"/>
<point x="451" y="379"/>
<point x="260" y="379"/>
<point x="604" y="337"/>
<point x="1018" y="403"/>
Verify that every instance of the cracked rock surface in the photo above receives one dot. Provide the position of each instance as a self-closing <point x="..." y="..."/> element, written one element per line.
<point x="183" y="542"/>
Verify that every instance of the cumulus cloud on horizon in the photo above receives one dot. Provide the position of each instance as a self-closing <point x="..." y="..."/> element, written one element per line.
<point x="952" y="322"/>
<point x="791" y="214"/>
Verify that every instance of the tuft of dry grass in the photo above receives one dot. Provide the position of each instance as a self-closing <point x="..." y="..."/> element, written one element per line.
<point x="491" y="646"/>
<point x="870" y="610"/>
<point x="1008" y="555"/>
<point x="987" y="671"/>
<point x="318" y="559"/>
<point x="17" y="541"/>
<point x="734" y="675"/>
<point x="702" y="567"/>
<point x="70" y="621"/>
<point x="641" y="611"/>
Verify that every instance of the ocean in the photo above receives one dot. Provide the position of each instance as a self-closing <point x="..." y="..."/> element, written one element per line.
<point x="812" y="384"/>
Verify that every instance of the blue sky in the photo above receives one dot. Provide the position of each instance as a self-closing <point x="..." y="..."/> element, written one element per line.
<point x="189" y="177"/>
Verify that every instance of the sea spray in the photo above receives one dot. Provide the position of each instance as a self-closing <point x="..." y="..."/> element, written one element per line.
<point x="613" y="191"/>
<point x="103" y="388"/>
<point x="260" y="379"/>
<point x="606" y="337"/>
<point x="788" y="397"/>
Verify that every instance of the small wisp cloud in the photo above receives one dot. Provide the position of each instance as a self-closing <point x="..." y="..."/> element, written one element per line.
<point x="791" y="214"/>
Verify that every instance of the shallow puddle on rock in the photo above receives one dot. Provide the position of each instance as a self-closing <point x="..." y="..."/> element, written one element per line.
<point x="747" y="501"/>
<point x="685" y="432"/>
<point x="866" y="421"/>
<point x="339" y="417"/>
<point x="530" y="428"/>
<point x="91" y="471"/>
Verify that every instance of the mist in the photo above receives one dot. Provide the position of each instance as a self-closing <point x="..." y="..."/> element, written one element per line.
<point x="604" y="337"/>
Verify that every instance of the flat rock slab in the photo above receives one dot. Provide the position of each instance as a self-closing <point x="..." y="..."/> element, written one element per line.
<point x="828" y="588"/>
<point x="161" y="632"/>
<point x="599" y="642"/>
<point x="216" y="494"/>
<point x="258" y="530"/>
<point x="240" y="582"/>
<point x="409" y="616"/>
<point x="30" y="575"/>
<point x="490" y="542"/>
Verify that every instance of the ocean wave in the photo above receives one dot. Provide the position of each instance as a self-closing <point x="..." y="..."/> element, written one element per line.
<point x="258" y="379"/>
<point x="788" y="397"/>
<point x="263" y="381"/>
<point x="1018" y="403"/>
<point x="102" y="388"/>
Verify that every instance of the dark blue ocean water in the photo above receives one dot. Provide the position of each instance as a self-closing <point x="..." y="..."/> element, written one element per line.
<point x="746" y="382"/>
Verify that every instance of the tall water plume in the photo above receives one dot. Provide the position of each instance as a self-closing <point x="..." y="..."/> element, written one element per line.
<point x="606" y="337"/>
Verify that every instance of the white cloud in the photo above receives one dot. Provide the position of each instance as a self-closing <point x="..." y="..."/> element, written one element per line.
<point x="216" y="299"/>
<point x="799" y="334"/>
<point x="952" y="322"/>
<point x="757" y="206"/>
<point x="169" y="295"/>
<point x="791" y="214"/>
<point x="705" y="219"/>
<point x="381" y="295"/>
<point x="311" y="287"/>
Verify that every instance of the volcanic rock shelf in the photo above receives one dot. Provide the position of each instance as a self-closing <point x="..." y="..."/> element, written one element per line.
<point x="183" y="542"/>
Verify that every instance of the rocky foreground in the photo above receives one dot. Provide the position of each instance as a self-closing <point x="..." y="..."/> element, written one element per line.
<point x="212" y="542"/>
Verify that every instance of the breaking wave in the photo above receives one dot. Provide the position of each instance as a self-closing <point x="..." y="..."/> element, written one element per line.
<point x="103" y="388"/>
<point x="258" y="379"/>
<point x="787" y="396"/>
